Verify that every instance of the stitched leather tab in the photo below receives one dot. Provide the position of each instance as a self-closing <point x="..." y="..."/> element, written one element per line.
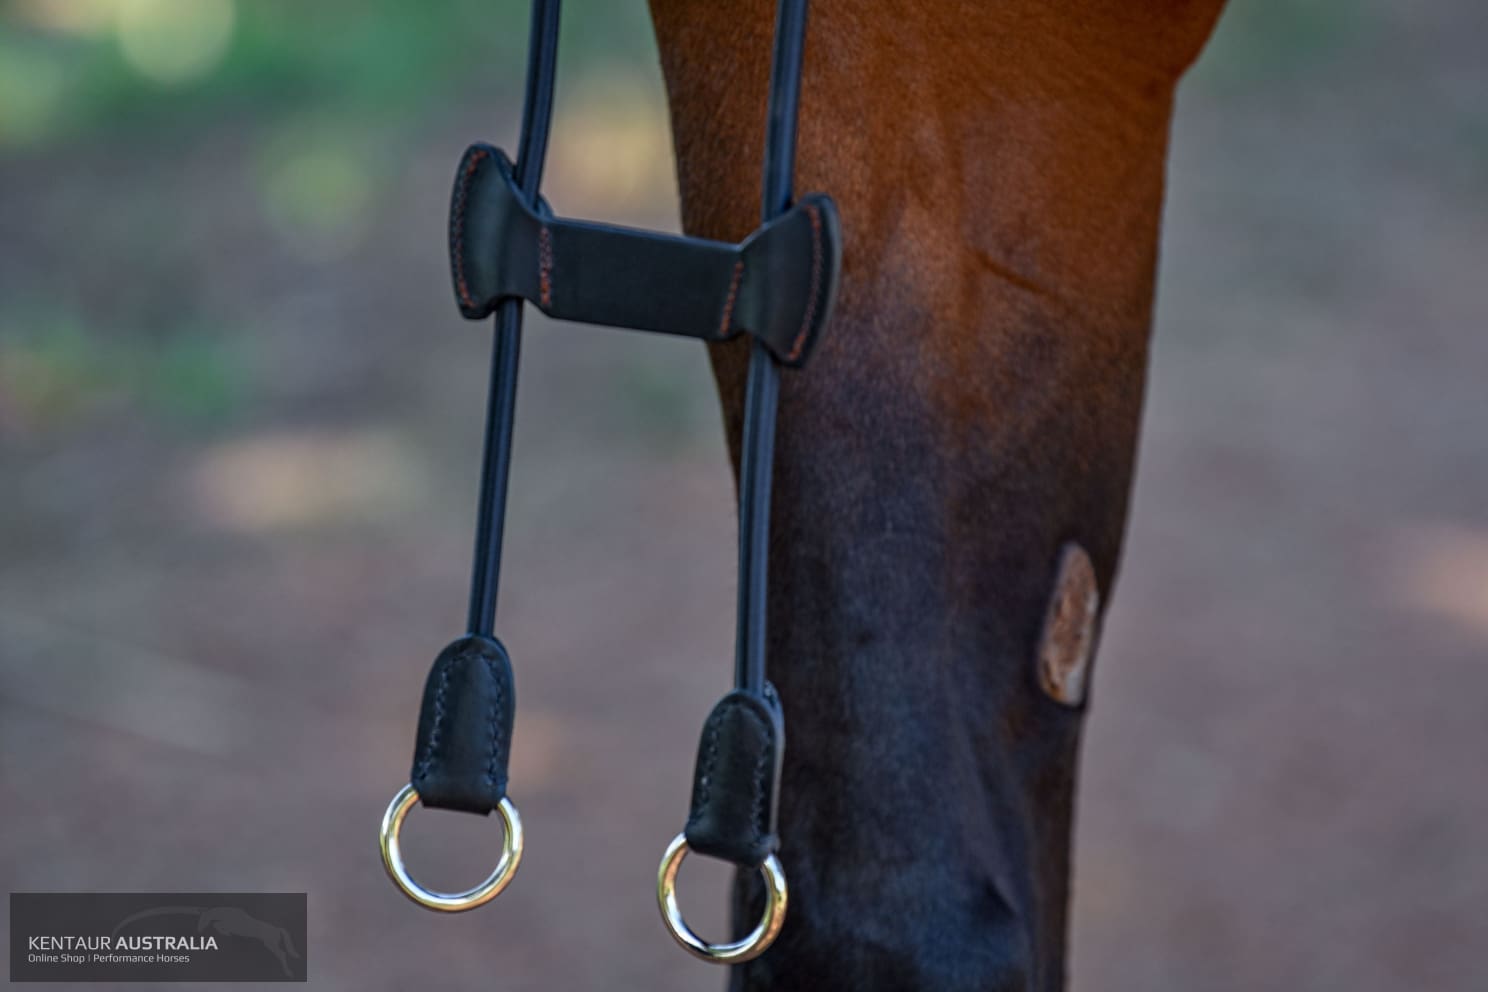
<point x="778" y="284"/>
<point x="464" y="727"/>
<point x="738" y="779"/>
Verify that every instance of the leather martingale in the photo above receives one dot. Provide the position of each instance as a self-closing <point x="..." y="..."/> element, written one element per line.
<point x="778" y="285"/>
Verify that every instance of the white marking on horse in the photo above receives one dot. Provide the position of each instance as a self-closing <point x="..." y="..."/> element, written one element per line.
<point x="1068" y="639"/>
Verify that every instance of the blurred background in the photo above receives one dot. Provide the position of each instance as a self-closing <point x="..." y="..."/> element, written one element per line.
<point x="239" y="432"/>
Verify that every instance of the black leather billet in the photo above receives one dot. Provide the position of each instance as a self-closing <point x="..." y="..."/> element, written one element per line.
<point x="778" y="284"/>
<point x="737" y="780"/>
<point x="465" y="727"/>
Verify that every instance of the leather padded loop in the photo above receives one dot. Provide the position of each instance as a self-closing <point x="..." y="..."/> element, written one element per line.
<point x="465" y="727"/>
<point x="737" y="779"/>
<point x="778" y="284"/>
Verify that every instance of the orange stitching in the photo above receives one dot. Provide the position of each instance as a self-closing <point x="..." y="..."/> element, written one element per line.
<point x="728" y="306"/>
<point x="545" y="265"/>
<point x="459" y="225"/>
<point x="800" y="341"/>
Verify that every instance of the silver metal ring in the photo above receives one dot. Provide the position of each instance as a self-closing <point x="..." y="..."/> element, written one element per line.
<point x="739" y="951"/>
<point x="448" y="902"/>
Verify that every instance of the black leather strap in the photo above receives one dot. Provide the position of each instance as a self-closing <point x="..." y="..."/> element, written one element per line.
<point x="465" y="727"/>
<point x="737" y="779"/>
<point x="777" y="285"/>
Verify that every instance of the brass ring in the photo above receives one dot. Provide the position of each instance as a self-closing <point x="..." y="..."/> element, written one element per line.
<point x="448" y="902"/>
<point x="739" y="951"/>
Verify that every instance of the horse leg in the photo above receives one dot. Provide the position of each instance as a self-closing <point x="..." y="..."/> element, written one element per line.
<point x="969" y="419"/>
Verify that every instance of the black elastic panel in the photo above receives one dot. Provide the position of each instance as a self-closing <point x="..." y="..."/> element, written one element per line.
<point x="777" y="285"/>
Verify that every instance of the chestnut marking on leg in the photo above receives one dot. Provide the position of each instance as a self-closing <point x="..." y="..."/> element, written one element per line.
<point x="1069" y="629"/>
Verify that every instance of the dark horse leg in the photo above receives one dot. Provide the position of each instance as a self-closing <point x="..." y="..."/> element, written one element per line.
<point x="971" y="413"/>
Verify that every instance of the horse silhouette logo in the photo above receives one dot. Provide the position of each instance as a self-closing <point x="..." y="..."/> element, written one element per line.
<point x="230" y="922"/>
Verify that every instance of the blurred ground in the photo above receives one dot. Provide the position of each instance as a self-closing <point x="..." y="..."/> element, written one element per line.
<point x="238" y="436"/>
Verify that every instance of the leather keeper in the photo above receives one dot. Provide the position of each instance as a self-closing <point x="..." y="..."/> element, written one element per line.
<point x="465" y="727"/>
<point x="778" y="284"/>
<point x="737" y="780"/>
